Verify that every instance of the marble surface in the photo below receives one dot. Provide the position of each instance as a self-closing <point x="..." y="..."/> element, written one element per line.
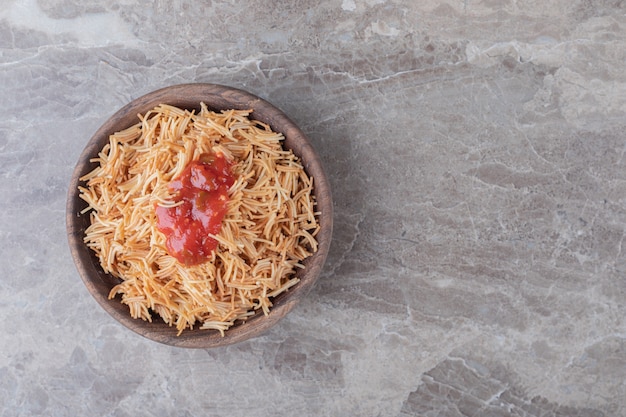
<point x="476" y="151"/>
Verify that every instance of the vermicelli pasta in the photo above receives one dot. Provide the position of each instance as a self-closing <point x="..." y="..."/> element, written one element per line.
<point x="268" y="229"/>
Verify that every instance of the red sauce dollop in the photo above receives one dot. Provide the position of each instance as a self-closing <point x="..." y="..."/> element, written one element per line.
<point x="203" y="188"/>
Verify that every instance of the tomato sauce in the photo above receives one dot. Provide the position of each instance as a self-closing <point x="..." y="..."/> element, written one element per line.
<point x="203" y="189"/>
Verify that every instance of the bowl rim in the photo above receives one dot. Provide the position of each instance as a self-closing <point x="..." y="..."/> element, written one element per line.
<point x="216" y="97"/>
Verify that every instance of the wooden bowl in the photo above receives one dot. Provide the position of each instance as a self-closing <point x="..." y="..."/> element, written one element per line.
<point x="189" y="96"/>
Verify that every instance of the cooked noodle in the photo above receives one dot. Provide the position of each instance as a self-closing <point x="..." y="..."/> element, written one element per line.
<point x="268" y="230"/>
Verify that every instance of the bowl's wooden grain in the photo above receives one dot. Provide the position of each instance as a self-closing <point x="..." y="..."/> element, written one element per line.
<point x="189" y="96"/>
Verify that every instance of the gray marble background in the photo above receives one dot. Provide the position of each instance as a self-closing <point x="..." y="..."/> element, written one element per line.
<point x="476" y="154"/>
